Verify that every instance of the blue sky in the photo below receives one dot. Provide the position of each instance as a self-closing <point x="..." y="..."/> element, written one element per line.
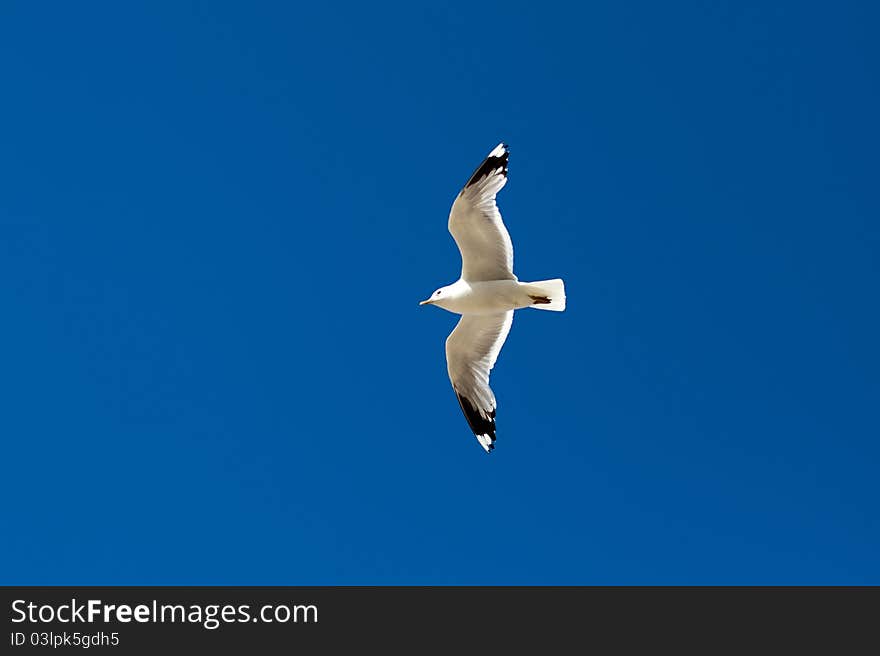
<point x="217" y="219"/>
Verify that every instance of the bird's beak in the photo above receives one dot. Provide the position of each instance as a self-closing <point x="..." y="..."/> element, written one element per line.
<point x="426" y="302"/>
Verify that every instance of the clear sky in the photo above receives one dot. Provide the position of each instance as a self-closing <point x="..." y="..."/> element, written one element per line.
<point x="217" y="220"/>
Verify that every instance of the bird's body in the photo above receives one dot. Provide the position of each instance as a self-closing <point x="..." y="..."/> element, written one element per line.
<point x="486" y="294"/>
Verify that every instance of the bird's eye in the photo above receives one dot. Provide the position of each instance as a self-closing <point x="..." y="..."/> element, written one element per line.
<point x="437" y="293"/>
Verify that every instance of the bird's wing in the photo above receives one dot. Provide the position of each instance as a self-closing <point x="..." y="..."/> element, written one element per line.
<point x="471" y="351"/>
<point x="476" y="225"/>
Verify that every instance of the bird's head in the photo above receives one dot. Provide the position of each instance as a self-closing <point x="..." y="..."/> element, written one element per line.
<point x="435" y="297"/>
<point x="446" y="297"/>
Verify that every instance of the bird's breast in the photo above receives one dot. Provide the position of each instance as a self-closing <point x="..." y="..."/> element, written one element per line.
<point x="488" y="297"/>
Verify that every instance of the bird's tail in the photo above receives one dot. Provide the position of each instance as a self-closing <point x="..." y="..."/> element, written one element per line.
<point x="547" y="294"/>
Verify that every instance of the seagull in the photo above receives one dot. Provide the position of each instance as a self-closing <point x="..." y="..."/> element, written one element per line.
<point x="486" y="294"/>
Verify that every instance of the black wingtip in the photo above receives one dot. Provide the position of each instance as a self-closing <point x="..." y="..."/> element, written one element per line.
<point x="482" y="427"/>
<point x="495" y="162"/>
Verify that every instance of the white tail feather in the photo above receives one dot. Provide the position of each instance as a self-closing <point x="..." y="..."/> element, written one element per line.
<point x="547" y="294"/>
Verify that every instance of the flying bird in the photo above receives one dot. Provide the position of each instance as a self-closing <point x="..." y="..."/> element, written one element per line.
<point x="486" y="294"/>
